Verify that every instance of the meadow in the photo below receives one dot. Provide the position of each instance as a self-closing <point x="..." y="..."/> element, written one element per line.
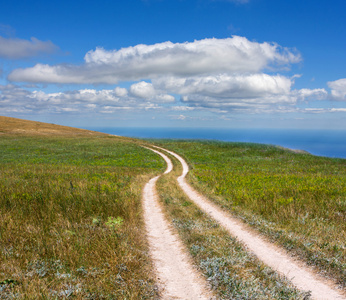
<point x="71" y="218"/>
<point x="231" y="271"/>
<point x="296" y="200"/>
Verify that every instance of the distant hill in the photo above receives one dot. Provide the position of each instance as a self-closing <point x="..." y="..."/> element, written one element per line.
<point x="24" y="127"/>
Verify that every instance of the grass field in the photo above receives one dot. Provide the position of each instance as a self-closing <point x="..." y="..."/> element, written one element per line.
<point x="71" y="220"/>
<point x="297" y="200"/>
<point x="232" y="272"/>
<point x="71" y="217"/>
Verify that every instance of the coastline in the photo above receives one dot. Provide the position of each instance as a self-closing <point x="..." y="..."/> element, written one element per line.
<point x="327" y="143"/>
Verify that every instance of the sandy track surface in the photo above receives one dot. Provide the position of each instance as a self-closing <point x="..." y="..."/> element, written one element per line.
<point x="278" y="259"/>
<point x="175" y="275"/>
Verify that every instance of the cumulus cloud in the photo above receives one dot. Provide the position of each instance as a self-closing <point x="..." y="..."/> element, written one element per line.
<point x="11" y="92"/>
<point x="143" y="96"/>
<point x="143" y="90"/>
<point x="310" y="94"/>
<point x="338" y="89"/>
<point x="224" y="92"/>
<point x="207" y="56"/>
<point x="146" y="90"/>
<point x="214" y="75"/>
<point x="120" y="92"/>
<point x="15" y="98"/>
<point x="15" y="48"/>
<point x="227" y="86"/>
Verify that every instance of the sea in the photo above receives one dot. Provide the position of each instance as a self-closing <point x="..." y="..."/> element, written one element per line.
<point x="329" y="143"/>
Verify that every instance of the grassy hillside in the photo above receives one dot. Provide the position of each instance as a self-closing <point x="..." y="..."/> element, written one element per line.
<point x="297" y="200"/>
<point x="21" y="127"/>
<point x="71" y="221"/>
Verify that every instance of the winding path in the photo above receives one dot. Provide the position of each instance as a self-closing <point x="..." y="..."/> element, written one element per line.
<point x="278" y="259"/>
<point x="175" y="275"/>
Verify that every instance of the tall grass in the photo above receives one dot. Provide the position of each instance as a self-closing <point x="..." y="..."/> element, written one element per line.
<point x="71" y="221"/>
<point x="297" y="200"/>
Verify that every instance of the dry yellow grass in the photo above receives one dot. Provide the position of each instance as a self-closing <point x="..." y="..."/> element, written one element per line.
<point x="71" y="221"/>
<point x="18" y="126"/>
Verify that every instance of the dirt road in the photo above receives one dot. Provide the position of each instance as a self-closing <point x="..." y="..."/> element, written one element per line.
<point x="278" y="259"/>
<point x="176" y="276"/>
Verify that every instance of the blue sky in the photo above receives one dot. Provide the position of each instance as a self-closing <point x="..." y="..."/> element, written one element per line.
<point x="175" y="63"/>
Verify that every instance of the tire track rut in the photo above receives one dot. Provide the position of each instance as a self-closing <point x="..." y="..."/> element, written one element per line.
<point x="278" y="259"/>
<point x="176" y="276"/>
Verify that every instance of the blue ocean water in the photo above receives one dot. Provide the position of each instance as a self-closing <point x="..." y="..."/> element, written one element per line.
<point x="331" y="143"/>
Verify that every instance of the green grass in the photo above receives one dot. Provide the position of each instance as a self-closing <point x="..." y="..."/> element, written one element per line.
<point x="71" y="219"/>
<point x="232" y="272"/>
<point x="297" y="200"/>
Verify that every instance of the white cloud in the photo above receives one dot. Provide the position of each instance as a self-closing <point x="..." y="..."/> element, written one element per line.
<point x="120" y="92"/>
<point x="338" y="89"/>
<point x="164" y="98"/>
<point x="208" y="56"/>
<point x="12" y="92"/>
<point x="253" y="93"/>
<point x="144" y="96"/>
<point x="101" y="101"/>
<point x="143" y="90"/>
<point x="227" y="86"/>
<point x="315" y="110"/>
<point x="308" y="94"/>
<point x="338" y="110"/>
<point x="14" y="48"/>
<point x="68" y="109"/>
<point x="182" y="108"/>
<point x="222" y="93"/>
